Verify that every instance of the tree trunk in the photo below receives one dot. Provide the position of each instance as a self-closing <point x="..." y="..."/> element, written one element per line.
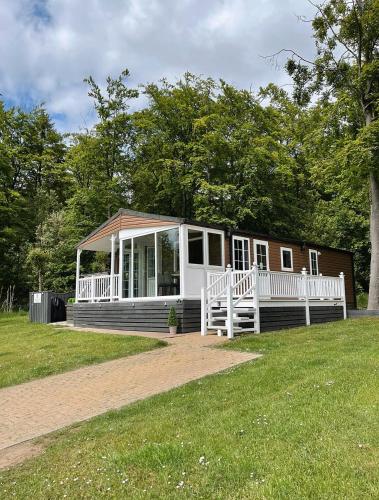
<point x="373" y="298"/>
<point x="39" y="281"/>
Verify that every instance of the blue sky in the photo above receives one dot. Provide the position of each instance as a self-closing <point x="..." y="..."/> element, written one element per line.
<point x="47" y="47"/>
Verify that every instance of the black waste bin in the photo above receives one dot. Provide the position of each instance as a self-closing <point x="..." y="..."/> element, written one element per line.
<point x="48" y="307"/>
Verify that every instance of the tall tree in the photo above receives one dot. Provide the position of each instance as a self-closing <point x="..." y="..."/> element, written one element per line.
<point x="100" y="159"/>
<point x="33" y="180"/>
<point x="346" y="68"/>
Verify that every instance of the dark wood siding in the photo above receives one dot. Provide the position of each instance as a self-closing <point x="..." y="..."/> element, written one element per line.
<point x="324" y="314"/>
<point x="277" y="318"/>
<point x="138" y="316"/>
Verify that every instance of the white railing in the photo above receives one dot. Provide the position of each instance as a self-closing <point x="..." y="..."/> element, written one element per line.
<point x="234" y="286"/>
<point x="97" y="288"/>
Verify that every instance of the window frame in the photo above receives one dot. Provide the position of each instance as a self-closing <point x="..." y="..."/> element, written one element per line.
<point x="241" y="238"/>
<point x="200" y="230"/>
<point x="205" y="232"/>
<point x="283" y="267"/>
<point x="264" y="243"/>
<point x="221" y="233"/>
<point x="155" y="297"/>
<point x="313" y="251"/>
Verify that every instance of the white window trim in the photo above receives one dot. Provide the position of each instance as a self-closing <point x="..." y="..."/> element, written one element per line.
<point x="265" y="243"/>
<point x="282" y="260"/>
<point x="222" y="234"/>
<point x="241" y="238"/>
<point x="312" y="250"/>
<point x="188" y="263"/>
<point x="126" y="236"/>
<point x="205" y="232"/>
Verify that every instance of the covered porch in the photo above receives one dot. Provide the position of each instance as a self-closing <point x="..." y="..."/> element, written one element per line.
<point x="143" y="264"/>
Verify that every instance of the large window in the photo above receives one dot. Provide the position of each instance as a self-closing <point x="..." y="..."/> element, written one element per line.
<point x="150" y="265"/>
<point x="214" y="249"/>
<point x="286" y="259"/>
<point x="168" y="262"/>
<point x="195" y="246"/>
<point x="261" y="254"/>
<point x="241" y="261"/>
<point x="313" y="262"/>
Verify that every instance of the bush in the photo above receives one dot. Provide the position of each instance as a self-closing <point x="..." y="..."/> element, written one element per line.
<point x="71" y="300"/>
<point x="172" y="318"/>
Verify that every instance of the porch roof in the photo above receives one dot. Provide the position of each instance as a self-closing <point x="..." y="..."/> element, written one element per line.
<point x="99" y="239"/>
<point x="127" y="219"/>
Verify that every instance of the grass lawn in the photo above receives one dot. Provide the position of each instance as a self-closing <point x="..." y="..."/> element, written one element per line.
<point x="31" y="350"/>
<point x="300" y="422"/>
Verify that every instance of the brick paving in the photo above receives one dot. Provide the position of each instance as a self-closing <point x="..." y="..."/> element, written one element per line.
<point x="39" y="407"/>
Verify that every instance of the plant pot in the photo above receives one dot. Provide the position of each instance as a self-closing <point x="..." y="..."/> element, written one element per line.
<point x="173" y="330"/>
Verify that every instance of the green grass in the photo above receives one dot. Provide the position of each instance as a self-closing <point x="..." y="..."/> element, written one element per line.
<point x="300" y="422"/>
<point x="31" y="350"/>
<point x="362" y="300"/>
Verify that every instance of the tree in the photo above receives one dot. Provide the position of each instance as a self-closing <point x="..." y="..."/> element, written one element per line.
<point x="208" y="151"/>
<point x="33" y="181"/>
<point x="346" y="69"/>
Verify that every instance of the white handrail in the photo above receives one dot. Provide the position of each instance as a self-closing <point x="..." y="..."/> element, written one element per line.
<point x="234" y="286"/>
<point x="95" y="288"/>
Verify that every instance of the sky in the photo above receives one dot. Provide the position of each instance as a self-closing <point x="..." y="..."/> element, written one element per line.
<point x="47" y="47"/>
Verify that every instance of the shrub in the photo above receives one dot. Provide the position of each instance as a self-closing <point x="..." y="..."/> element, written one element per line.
<point x="172" y="318"/>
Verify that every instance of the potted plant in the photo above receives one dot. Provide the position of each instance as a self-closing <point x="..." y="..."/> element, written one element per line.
<point x="172" y="321"/>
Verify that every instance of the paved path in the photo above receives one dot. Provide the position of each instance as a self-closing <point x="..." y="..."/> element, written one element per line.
<point x="36" y="408"/>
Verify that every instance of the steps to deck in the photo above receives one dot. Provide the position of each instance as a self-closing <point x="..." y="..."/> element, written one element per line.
<point x="244" y="319"/>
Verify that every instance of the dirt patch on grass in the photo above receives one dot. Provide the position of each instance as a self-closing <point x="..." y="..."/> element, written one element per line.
<point x="17" y="454"/>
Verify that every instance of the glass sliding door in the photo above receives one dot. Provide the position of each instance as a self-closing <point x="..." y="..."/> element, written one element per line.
<point x="168" y="262"/>
<point x="144" y="266"/>
<point x="126" y="269"/>
<point x="150" y="265"/>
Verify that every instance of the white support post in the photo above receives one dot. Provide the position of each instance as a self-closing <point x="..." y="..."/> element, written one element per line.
<point x="257" y="316"/>
<point x="229" y="303"/>
<point x="111" y="292"/>
<point x="343" y="294"/>
<point x="78" y="252"/>
<point x="204" y="329"/>
<point x="306" y="296"/>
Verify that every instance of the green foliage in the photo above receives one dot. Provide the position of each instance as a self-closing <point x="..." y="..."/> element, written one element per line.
<point x="362" y="300"/>
<point x="172" y="319"/>
<point x="199" y="149"/>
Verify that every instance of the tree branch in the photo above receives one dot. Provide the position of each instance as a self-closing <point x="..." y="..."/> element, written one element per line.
<point x="335" y="34"/>
<point x="276" y="54"/>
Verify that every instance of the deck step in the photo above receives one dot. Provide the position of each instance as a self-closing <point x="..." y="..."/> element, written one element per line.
<point x="222" y="327"/>
<point x="235" y="320"/>
<point x="236" y="309"/>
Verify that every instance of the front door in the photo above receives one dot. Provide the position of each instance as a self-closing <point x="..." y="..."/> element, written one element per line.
<point x="241" y="253"/>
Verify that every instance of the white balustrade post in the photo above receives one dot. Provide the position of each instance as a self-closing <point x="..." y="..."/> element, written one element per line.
<point x="229" y="303"/>
<point x="343" y="294"/>
<point x="306" y="296"/>
<point x="111" y="288"/>
<point x="257" y="316"/>
<point x="78" y="252"/>
<point x="92" y="288"/>
<point x="204" y="329"/>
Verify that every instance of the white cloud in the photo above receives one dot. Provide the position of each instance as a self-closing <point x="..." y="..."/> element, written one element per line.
<point x="48" y="47"/>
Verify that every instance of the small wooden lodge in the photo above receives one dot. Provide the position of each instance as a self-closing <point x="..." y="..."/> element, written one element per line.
<point x="216" y="278"/>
